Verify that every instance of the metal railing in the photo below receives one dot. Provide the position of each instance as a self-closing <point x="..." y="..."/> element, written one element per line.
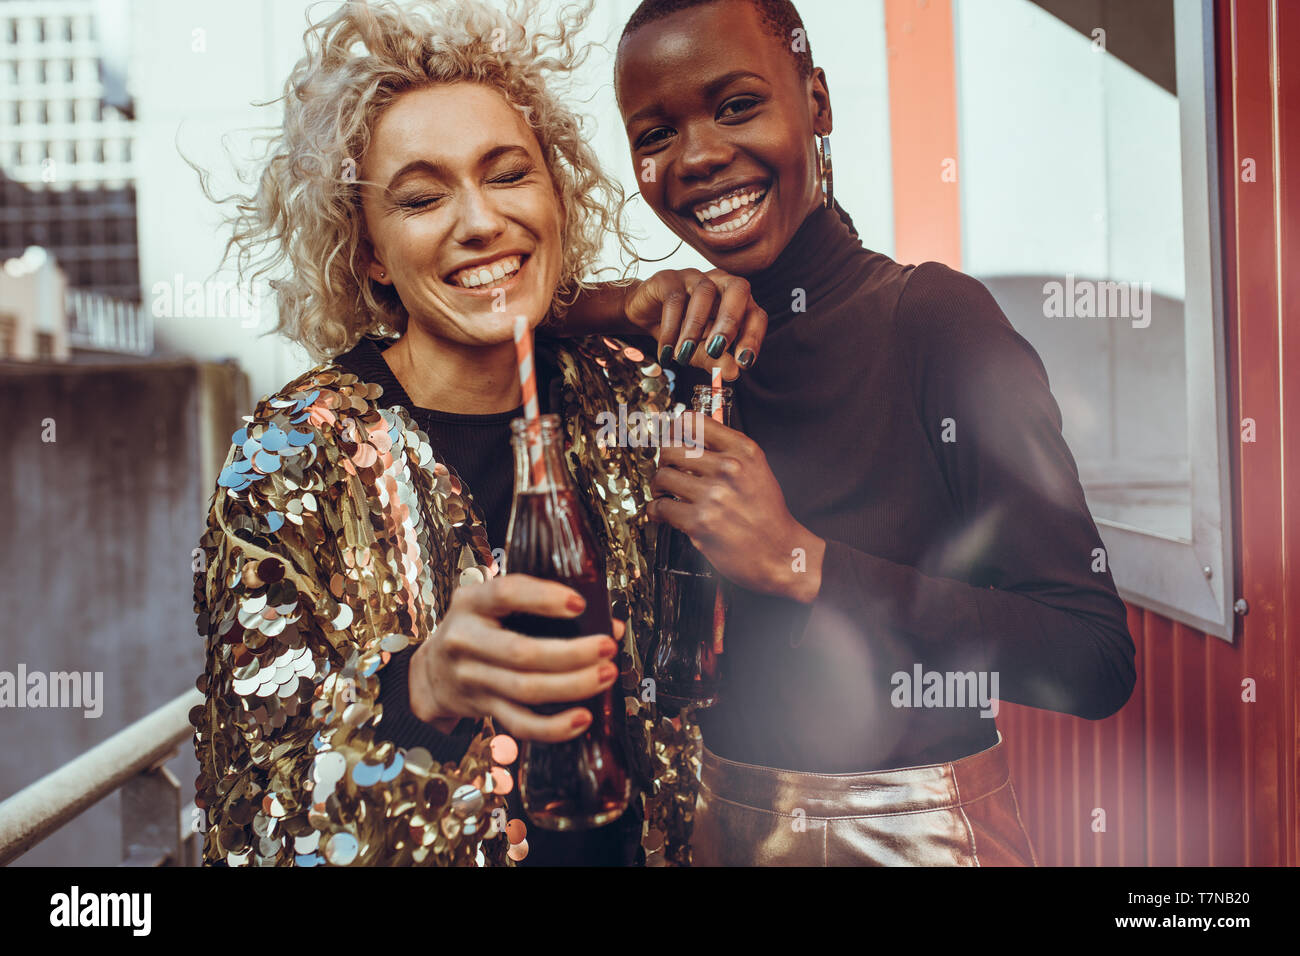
<point x="152" y="832"/>
<point x="100" y="322"/>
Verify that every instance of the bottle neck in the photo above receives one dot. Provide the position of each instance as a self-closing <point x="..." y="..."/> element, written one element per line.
<point x="715" y="403"/>
<point x="539" y="458"/>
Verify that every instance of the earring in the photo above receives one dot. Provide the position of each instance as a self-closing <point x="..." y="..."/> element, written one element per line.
<point x="383" y="275"/>
<point x="627" y="200"/>
<point x="824" y="170"/>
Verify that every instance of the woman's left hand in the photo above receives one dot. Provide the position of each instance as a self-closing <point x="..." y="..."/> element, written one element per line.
<point x="699" y="318"/>
<point x="729" y="503"/>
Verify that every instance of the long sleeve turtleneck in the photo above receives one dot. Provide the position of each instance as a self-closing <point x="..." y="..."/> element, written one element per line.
<point x="913" y="428"/>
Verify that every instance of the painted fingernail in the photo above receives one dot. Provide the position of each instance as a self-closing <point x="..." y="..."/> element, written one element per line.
<point x="609" y="648"/>
<point x="575" y="603"/>
<point x="665" y="355"/>
<point x="606" y="672"/>
<point x="685" y="352"/>
<point x="582" y="720"/>
<point x="716" y="346"/>
<point x="745" y="358"/>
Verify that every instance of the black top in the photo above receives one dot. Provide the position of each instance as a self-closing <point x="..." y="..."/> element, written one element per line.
<point x="478" y="448"/>
<point x="913" y="428"/>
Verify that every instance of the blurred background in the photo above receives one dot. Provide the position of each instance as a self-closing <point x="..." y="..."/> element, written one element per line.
<point x="1026" y="142"/>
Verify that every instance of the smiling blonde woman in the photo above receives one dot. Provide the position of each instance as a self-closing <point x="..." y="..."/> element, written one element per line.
<point x="426" y="188"/>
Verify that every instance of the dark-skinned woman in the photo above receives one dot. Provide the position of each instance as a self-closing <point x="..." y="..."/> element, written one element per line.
<point x="899" y="519"/>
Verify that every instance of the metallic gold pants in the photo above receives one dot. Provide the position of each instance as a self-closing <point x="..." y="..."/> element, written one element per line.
<point x="961" y="813"/>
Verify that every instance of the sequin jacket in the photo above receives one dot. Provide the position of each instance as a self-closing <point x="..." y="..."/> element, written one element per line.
<point x="335" y="538"/>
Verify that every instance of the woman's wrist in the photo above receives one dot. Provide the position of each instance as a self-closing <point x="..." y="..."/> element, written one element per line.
<point x="803" y="580"/>
<point x="600" y="308"/>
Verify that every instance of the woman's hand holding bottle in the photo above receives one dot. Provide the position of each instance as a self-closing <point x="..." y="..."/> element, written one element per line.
<point x="471" y="666"/>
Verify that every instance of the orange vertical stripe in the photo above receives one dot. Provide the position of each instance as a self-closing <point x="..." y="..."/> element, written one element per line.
<point x="923" y="131"/>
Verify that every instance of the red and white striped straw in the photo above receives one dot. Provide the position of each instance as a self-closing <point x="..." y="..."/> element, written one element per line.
<point x="528" y="382"/>
<point x="719" y="601"/>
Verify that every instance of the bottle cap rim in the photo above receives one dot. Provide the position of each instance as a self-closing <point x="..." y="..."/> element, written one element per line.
<point x="547" y="423"/>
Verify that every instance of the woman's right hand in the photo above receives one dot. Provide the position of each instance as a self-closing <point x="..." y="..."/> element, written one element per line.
<point x="473" y="667"/>
<point x="690" y="312"/>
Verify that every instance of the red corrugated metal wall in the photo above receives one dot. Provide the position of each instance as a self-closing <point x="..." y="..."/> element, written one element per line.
<point x="1188" y="773"/>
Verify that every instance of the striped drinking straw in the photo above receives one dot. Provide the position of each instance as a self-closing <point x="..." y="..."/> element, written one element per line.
<point x="528" y="381"/>
<point x="719" y="601"/>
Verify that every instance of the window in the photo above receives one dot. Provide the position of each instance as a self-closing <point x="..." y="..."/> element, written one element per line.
<point x="8" y="335"/>
<point x="1089" y="209"/>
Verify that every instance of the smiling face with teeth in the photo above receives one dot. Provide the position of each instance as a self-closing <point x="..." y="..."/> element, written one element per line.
<point x="718" y="108"/>
<point x="462" y="218"/>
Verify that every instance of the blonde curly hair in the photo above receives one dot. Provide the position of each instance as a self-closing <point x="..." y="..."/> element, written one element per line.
<point x="306" y="211"/>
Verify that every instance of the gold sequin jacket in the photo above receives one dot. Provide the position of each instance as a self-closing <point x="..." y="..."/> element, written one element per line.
<point x="334" y="540"/>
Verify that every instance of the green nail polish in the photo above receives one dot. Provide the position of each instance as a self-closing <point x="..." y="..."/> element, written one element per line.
<point x="745" y="358"/>
<point x="716" y="346"/>
<point x="665" y="355"/>
<point x="685" y="352"/>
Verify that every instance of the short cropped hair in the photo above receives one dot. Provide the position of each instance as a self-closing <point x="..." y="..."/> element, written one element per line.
<point x="779" y="18"/>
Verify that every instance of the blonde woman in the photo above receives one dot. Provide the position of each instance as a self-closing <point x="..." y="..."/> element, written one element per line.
<point x="426" y="188"/>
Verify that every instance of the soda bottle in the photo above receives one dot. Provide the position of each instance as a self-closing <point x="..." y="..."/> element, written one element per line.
<point x="682" y="657"/>
<point x="582" y="783"/>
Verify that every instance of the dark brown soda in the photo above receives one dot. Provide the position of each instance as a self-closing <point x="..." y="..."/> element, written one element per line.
<point x="682" y="661"/>
<point x="690" y="605"/>
<point x="582" y="783"/>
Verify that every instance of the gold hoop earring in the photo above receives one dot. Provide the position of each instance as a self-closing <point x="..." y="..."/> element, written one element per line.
<point x="824" y="171"/>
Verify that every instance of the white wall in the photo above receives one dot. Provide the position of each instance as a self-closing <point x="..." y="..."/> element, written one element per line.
<point x="200" y="66"/>
<point x="1070" y="158"/>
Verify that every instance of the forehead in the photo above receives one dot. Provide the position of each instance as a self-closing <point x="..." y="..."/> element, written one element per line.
<point x="451" y="122"/>
<point x="689" y="48"/>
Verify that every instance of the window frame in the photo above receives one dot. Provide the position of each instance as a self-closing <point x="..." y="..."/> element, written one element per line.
<point x="1192" y="580"/>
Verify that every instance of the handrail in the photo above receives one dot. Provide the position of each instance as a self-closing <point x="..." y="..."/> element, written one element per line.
<point x="40" y="809"/>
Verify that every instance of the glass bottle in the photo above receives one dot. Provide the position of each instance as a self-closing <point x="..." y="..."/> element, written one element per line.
<point x="582" y="783"/>
<point x="690" y="609"/>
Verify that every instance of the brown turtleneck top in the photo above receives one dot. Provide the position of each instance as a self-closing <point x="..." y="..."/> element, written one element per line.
<point x="913" y="428"/>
